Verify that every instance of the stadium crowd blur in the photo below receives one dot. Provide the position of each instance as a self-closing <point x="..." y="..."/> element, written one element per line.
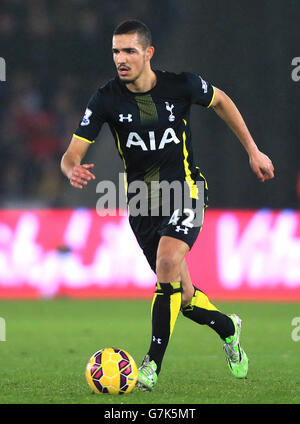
<point x="57" y="54"/>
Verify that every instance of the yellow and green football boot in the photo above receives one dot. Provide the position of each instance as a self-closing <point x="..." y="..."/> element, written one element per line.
<point x="147" y="376"/>
<point x="236" y="357"/>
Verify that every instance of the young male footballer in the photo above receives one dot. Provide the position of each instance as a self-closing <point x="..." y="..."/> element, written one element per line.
<point x="148" y="112"/>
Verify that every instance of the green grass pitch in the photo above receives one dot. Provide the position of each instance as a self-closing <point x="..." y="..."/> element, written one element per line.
<point x="49" y="342"/>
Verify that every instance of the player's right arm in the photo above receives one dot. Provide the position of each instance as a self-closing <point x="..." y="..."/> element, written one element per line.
<point x="95" y="115"/>
<point x="77" y="173"/>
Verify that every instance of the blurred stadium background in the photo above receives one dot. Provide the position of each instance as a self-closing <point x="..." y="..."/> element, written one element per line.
<point x="57" y="53"/>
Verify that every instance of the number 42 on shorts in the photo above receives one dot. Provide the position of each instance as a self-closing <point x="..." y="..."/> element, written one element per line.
<point x="187" y="222"/>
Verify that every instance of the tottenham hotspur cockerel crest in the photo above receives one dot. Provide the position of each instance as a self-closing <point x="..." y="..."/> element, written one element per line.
<point x="170" y="109"/>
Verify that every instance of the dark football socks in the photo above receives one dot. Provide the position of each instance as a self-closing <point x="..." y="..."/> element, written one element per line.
<point x="164" y="312"/>
<point x="203" y="312"/>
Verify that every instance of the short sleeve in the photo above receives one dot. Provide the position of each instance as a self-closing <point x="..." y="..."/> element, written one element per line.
<point x="201" y="92"/>
<point x="93" y="119"/>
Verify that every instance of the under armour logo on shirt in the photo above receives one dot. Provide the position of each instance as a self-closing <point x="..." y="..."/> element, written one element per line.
<point x="122" y="117"/>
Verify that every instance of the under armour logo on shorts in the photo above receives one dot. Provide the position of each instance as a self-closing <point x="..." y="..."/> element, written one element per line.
<point x="122" y="117"/>
<point x="185" y="230"/>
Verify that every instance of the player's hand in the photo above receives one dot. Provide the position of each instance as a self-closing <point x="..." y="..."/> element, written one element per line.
<point x="262" y="166"/>
<point x="80" y="175"/>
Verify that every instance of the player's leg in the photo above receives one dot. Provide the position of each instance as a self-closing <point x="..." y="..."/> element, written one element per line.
<point x="201" y="310"/>
<point x="165" y="308"/>
<point x="187" y="285"/>
<point x="228" y="327"/>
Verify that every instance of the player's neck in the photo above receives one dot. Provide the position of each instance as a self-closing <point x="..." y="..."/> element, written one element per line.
<point x="144" y="83"/>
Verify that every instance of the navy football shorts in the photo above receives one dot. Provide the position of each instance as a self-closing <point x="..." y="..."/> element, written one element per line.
<point x="182" y="223"/>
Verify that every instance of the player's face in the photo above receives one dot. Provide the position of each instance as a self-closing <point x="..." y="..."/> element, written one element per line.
<point x="129" y="56"/>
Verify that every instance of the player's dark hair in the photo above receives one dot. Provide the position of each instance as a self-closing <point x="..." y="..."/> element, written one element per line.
<point x="133" y="26"/>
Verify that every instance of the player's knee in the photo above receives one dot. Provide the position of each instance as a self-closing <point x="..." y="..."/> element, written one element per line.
<point x="186" y="296"/>
<point x="166" y="264"/>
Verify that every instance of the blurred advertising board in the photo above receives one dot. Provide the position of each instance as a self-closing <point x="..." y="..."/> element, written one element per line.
<point x="239" y="255"/>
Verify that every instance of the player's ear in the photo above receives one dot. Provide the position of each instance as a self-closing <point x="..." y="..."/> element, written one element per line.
<point x="149" y="52"/>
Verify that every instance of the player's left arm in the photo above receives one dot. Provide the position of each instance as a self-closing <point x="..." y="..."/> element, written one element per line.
<point x="225" y="108"/>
